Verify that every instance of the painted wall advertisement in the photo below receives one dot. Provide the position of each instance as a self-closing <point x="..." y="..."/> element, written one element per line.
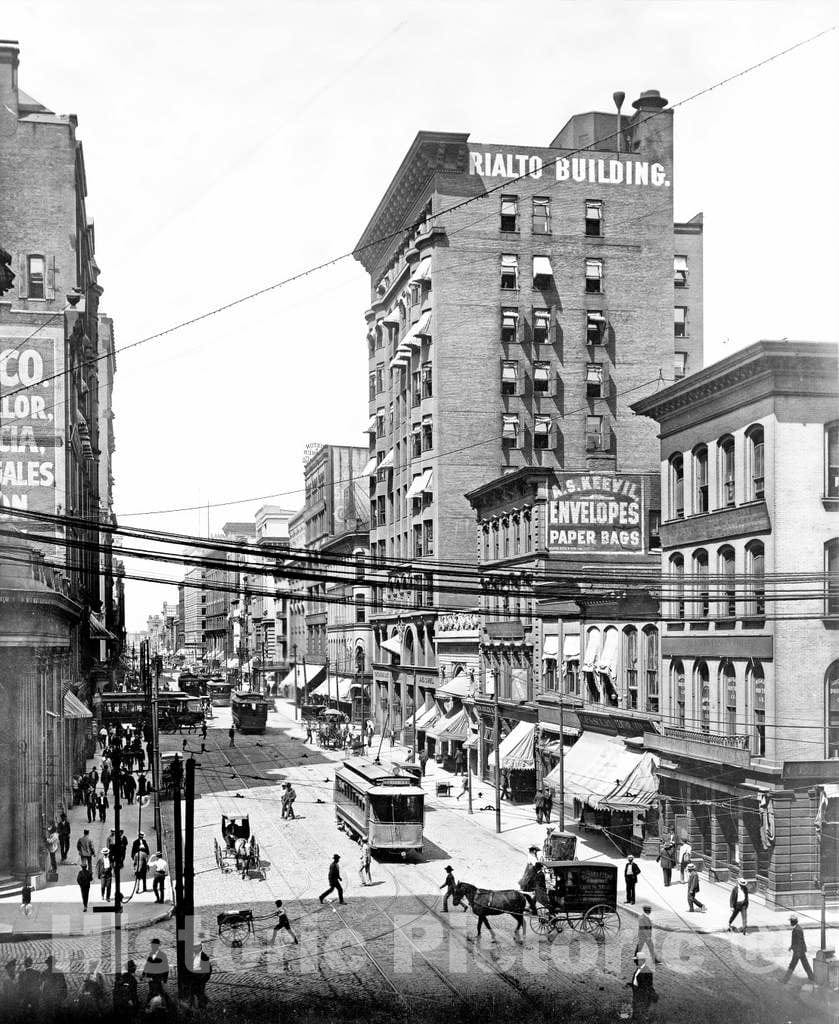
<point x="596" y="512"/>
<point x="29" y="442"/>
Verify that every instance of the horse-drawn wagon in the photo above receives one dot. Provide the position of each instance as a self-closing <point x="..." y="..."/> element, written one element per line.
<point x="583" y="895"/>
<point x="238" y="845"/>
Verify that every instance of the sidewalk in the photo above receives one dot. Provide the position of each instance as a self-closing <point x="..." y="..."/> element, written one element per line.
<point x="520" y="830"/>
<point x="56" y="910"/>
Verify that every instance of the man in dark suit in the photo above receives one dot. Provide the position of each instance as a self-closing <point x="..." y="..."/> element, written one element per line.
<point x="693" y="889"/>
<point x="631" y="872"/>
<point x="334" y="880"/>
<point x="799" y="951"/>
<point x="643" y="992"/>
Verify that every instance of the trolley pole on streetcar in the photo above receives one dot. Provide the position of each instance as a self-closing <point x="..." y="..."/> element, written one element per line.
<point x="180" y="923"/>
<point x="497" y="733"/>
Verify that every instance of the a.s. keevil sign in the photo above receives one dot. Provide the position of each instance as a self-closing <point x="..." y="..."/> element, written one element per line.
<point x="595" y="512"/>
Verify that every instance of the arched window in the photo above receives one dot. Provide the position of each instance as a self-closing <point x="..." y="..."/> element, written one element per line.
<point x="677" y="587"/>
<point x="757" y="686"/>
<point x="590" y="662"/>
<point x="727" y="605"/>
<point x="755" y="587"/>
<point x="702" y="694"/>
<point x="831" y="460"/>
<point x="408" y="648"/>
<point x="677" y="691"/>
<point x="651" y="668"/>
<point x="831" y="565"/>
<point x="755" y="463"/>
<point x="702" y="601"/>
<point x="630" y="665"/>
<point x="677" y="486"/>
<point x="728" y="695"/>
<point x="725" y="471"/>
<point x="700" y="479"/>
<point x="832" y="684"/>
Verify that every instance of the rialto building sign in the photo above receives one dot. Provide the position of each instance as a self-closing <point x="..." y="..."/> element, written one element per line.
<point x="593" y="170"/>
<point x="595" y="512"/>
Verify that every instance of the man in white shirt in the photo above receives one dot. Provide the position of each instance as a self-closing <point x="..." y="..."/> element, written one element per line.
<point x="161" y="870"/>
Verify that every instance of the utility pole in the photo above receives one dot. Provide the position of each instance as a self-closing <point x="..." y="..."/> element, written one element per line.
<point x="497" y="734"/>
<point x="180" y="923"/>
<point x="155" y="758"/>
<point x="561" y="765"/>
<point x="414" y="751"/>
<point x="296" y="691"/>
<point x="189" y="853"/>
<point x="116" y="758"/>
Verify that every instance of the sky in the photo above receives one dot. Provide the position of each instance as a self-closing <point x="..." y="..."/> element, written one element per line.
<point x="230" y="146"/>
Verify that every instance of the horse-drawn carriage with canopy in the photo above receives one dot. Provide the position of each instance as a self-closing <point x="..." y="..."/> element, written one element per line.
<point x="238" y="845"/>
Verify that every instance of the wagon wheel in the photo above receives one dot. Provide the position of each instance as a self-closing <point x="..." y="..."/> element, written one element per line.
<point x="543" y="923"/>
<point x="235" y="934"/>
<point x="602" y="921"/>
<point x="575" y="921"/>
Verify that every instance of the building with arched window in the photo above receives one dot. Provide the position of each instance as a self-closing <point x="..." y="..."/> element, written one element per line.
<point x="752" y="741"/>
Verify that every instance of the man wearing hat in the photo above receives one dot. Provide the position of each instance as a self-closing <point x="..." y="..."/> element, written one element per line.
<point x="140" y="859"/>
<point x="161" y="870"/>
<point x="334" y="880"/>
<point x="643" y="992"/>
<point x="693" y="889"/>
<point x="156" y="968"/>
<point x="739" y="903"/>
<point x="631" y="872"/>
<point x="448" y="885"/>
<point x="199" y="975"/>
<point x="645" y="933"/>
<point x="799" y="951"/>
<point x="105" y="873"/>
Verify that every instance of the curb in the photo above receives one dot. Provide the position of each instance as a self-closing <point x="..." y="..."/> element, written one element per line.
<point x="12" y="937"/>
<point x="753" y="928"/>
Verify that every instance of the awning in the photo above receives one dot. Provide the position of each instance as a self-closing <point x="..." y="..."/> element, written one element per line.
<point x="422" y="271"/>
<point x="307" y="676"/>
<point x="398" y="361"/>
<point x="571" y="647"/>
<point x="420" y="483"/>
<point x="638" y="789"/>
<point x="391" y="318"/>
<point x="428" y="718"/>
<point x="550" y="647"/>
<point x="594" y="767"/>
<point x="516" y="749"/>
<point x="342" y="685"/>
<point x="460" y="686"/>
<point x="542" y="267"/>
<point x="370" y="467"/>
<point x="394" y="645"/>
<point x="607" y="661"/>
<point x="418" y="717"/>
<point x="473" y="740"/>
<point x="387" y="460"/>
<point x="454" y="728"/>
<point x="371" y="426"/>
<point x="422" y="325"/>
<point x="593" y="640"/>
<point x="232" y="663"/>
<point x="98" y="630"/>
<point x="73" y="707"/>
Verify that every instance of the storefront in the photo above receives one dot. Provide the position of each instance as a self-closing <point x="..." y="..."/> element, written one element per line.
<point x="518" y="763"/>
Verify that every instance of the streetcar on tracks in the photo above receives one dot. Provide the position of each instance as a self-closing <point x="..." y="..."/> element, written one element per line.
<point x="174" y="710"/>
<point x="383" y="804"/>
<point x="250" y="710"/>
<point x="219" y="691"/>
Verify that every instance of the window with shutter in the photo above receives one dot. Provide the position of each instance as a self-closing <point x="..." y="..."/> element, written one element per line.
<point x="594" y="380"/>
<point x="680" y="271"/>
<point x="541" y="326"/>
<point x="509" y="377"/>
<point x="541" y="216"/>
<point x="541" y="431"/>
<point x="541" y="374"/>
<point x="594" y="275"/>
<point x="680" y="322"/>
<point x="509" y="213"/>
<point x="510" y="430"/>
<point x="36" y="273"/>
<point x="509" y="272"/>
<point x="594" y="217"/>
<point x="509" y="325"/>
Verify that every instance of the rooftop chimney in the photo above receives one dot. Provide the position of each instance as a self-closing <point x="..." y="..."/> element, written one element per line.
<point x="650" y="99"/>
<point x="9" y="51"/>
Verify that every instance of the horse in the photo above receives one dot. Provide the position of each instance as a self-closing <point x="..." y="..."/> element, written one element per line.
<point x="486" y="903"/>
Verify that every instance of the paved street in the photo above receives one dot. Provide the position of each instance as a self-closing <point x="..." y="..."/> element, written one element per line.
<point x="391" y="946"/>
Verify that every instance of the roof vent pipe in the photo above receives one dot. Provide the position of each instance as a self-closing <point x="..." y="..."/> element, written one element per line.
<point x="619" y="97"/>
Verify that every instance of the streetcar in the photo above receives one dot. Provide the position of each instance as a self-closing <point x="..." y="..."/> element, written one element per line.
<point x="383" y="804"/>
<point x="174" y="710"/>
<point x="179" y="711"/>
<point x="250" y="711"/>
<point x="219" y="690"/>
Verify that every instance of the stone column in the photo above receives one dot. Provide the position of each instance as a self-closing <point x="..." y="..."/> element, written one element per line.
<point x="718" y="867"/>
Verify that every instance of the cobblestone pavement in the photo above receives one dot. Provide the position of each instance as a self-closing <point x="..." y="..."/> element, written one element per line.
<point x="390" y="952"/>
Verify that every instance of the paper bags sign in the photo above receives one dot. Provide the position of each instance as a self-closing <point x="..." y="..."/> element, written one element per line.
<point x="593" y="170"/>
<point x="595" y="512"/>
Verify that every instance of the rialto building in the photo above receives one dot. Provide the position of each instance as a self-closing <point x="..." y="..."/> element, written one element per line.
<point x="521" y="298"/>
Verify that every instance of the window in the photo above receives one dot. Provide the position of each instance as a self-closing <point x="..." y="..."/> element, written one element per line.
<point x="416" y="389"/>
<point x="381" y="517"/>
<point x="702" y="690"/>
<point x="831" y="445"/>
<point x="651" y="663"/>
<point x="725" y="462"/>
<point x="510" y="272"/>
<point x="680" y="322"/>
<point x="594" y="275"/>
<point x="510" y="429"/>
<point x="630" y="662"/>
<point x="528" y="532"/>
<point x="595" y="325"/>
<point x="757" y="685"/>
<point x="654" y="528"/>
<point x="380" y="379"/>
<point x="36" y="274"/>
<point x="426" y="380"/>
<point x="728" y="594"/>
<point x="541" y="326"/>
<point x="728" y="690"/>
<point x="541" y="377"/>
<point x="485" y="542"/>
<point x="677" y="486"/>
<point x="832" y="684"/>
<point x="754" y="449"/>
<point x="359" y="565"/>
<point x="381" y="334"/>
<point x="495" y="539"/>
<point x="505" y="533"/>
<point x="509" y="325"/>
<point x="572" y="676"/>
<point x="427" y="436"/>
<point x="509" y="376"/>
<point x="416" y="442"/>
<point x="680" y="365"/>
<point x="360" y="608"/>
<point x="594" y="433"/>
<point x="831" y="565"/>
<point x="541" y="216"/>
<point x="418" y="541"/>
<point x="680" y="271"/>
<point x="509" y="213"/>
<point x="756" y="601"/>
<point x="677" y="587"/>
<point x="702" y="605"/>
<point x="516" y="534"/>
<point x="594" y="380"/>
<point x="542" y="272"/>
<point x="371" y="385"/>
<point x="390" y="418"/>
<point x="677" y="688"/>
<point x="700" y="480"/>
<point x="380" y="423"/>
<point x="541" y="432"/>
<point x="594" y="217"/>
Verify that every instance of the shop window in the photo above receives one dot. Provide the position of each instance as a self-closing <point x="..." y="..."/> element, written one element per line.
<point x="700" y="480"/>
<point x="677" y="486"/>
<point x="594" y="433"/>
<point x="831" y="565"/>
<point x="541" y="216"/>
<point x="755" y="586"/>
<point x="541" y="378"/>
<point x="36" y="276"/>
<point x="594" y="217"/>
<point x="725" y="475"/>
<point x="594" y="276"/>
<point x="509" y="377"/>
<point x="755" y="458"/>
<point x="680" y="271"/>
<point x="426" y="380"/>
<point x="509" y="325"/>
<point x="630" y="664"/>
<point x="541" y="432"/>
<point x="509" y="272"/>
<point x="509" y="213"/>
<point x="832" y="699"/>
<point x="594" y="380"/>
<point x="651" y="668"/>
<point x="677" y="587"/>
<point x="541" y="326"/>
<point x="728" y="590"/>
<point x="702" y="606"/>
<point x="510" y="430"/>
<point x="680" y="322"/>
<point x="831" y="466"/>
<point x="677" y="688"/>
